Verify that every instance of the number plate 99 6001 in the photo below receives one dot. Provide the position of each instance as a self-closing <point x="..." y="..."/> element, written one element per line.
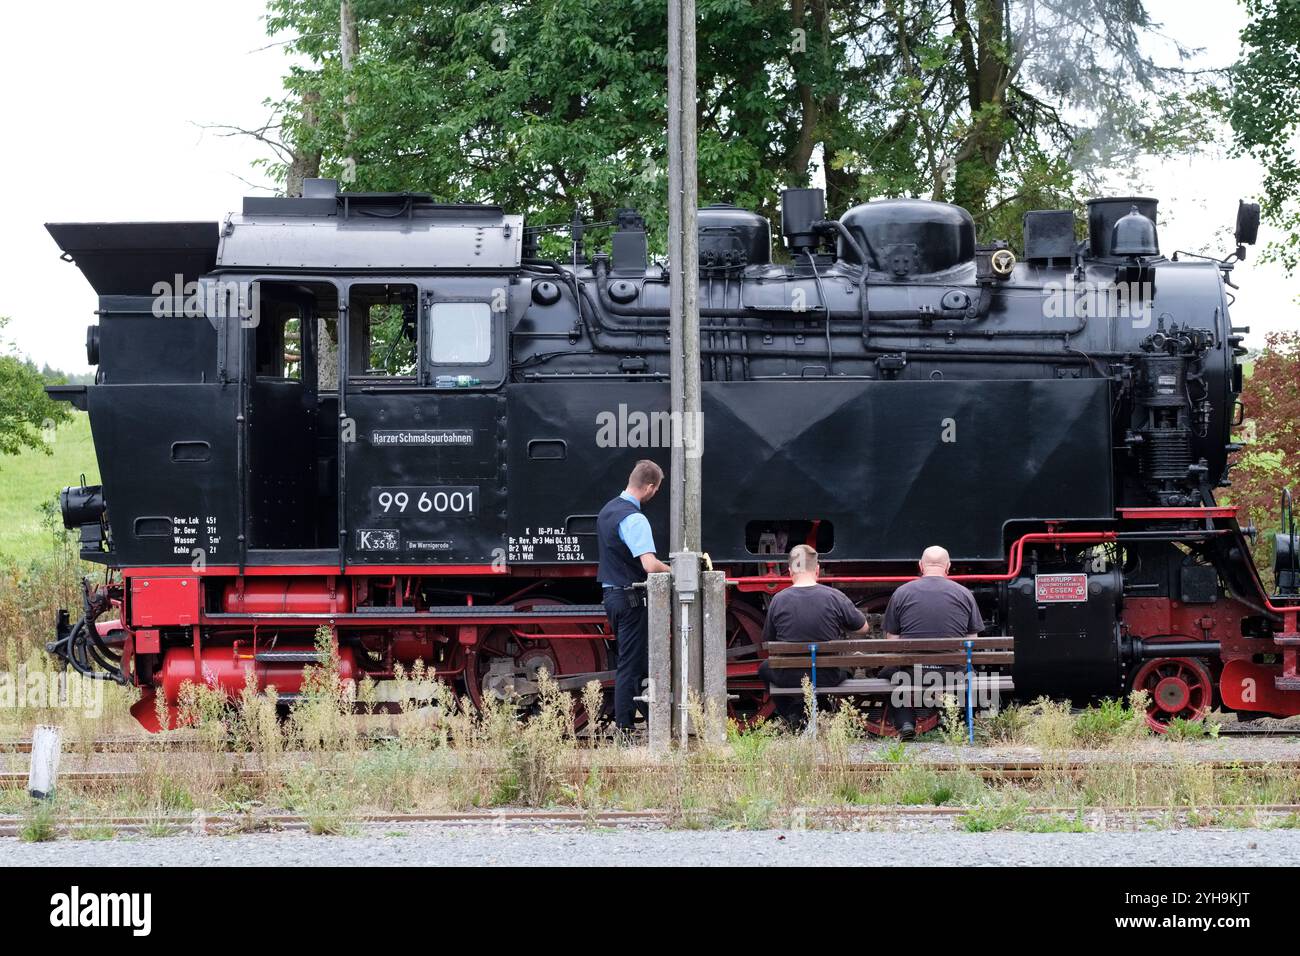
<point x="442" y="500"/>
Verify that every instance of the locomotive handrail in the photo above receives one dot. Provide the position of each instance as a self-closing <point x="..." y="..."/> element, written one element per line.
<point x="1016" y="559"/>
<point x="451" y="614"/>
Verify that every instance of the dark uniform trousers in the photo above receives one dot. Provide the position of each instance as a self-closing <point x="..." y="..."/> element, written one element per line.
<point x="909" y="711"/>
<point x="629" y="621"/>
<point x="790" y="707"/>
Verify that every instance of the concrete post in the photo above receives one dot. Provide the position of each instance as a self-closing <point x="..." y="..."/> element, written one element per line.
<point x="714" y="646"/>
<point x="660" y="690"/>
<point x="43" y="775"/>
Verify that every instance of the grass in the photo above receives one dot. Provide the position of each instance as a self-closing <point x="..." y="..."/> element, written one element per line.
<point x="1180" y="729"/>
<point x="1055" y="823"/>
<point x="40" y="572"/>
<point x="40" y="823"/>
<point x="993" y="814"/>
<point x="506" y="756"/>
<point x="30" y="483"/>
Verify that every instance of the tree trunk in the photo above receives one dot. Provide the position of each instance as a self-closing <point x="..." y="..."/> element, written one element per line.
<point x="988" y="74"/>
<point x="306" y="160"/>
<point x="349" y="42"/>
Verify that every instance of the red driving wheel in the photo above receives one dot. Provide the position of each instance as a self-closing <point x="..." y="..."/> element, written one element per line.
<point x="880" y="724"/>
<point x="744" y="624"/>
<point x="1179" y="687"/>
<point x="503" y="656"/>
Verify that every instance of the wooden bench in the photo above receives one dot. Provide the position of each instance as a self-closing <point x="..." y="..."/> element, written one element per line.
<point x="875" y="654"/>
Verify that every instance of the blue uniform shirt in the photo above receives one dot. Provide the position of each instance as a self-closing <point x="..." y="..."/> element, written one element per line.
<point x="634" y="531"/>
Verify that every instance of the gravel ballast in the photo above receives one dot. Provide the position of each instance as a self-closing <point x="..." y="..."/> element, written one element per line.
<point x="488" y="846"/>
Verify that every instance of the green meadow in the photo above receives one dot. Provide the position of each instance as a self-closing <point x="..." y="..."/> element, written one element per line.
<point x="29" y="486"/>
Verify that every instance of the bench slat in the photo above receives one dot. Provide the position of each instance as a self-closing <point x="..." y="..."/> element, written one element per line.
<point x="880" y="685"/>
<point x="979" y="658"/>
<point x="921" y="644"/>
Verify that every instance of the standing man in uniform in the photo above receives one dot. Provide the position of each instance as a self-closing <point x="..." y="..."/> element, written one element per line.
<point x="933" y="605"/>
<point x="627" y="555"/>
<point x="811" y="612"/>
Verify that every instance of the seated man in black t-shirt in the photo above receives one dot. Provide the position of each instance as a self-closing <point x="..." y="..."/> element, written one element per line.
<point x="933" y="605"/>
<point x="806" y="611"/>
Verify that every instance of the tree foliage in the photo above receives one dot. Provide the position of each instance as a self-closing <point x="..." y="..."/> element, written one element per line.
<point x="1271" y="459"/>
<point x="553" y="105"/>
<point x="27" y="414"/>
<point x="1265" y="113"/>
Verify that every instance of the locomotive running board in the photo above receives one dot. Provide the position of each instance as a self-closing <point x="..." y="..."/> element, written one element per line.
<point x="450" y="614"/>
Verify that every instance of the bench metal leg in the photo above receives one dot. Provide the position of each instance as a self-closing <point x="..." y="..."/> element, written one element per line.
<point x="970" y="690"/>
<point x="812" y="716"/>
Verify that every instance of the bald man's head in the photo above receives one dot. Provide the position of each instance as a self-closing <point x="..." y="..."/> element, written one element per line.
<point x="935" y="560"/>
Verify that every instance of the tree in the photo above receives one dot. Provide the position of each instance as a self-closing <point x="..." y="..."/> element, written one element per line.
<point x="1264" y="110"/>
<point x="1005" y="106"/>
<point x="554" y="105"/>
<point x="1271" y="459"/>
<point x="27" y="414"/>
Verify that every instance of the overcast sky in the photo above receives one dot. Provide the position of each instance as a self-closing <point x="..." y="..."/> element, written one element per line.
<point x="103" y="102"/>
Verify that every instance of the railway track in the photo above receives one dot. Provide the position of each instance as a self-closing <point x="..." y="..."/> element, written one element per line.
<point x="200" y="823"/>
<point x="993" y="771"/>
<point x="193" y="743"/>
<point x="1257" y="730"/>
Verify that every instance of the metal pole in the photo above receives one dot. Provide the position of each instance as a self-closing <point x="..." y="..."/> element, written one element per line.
<point x="677" y="468"/>
<point x="684" y="368"/>
<point x="690" y="270"/>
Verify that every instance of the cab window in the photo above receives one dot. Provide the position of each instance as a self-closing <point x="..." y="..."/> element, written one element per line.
<point x="460" y="333"/>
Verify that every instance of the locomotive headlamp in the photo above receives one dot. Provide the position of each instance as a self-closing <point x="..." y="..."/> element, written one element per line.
<point x="1134" y="235"/>
<point x="1247" y="230"/>
<point x="81" y="505"/>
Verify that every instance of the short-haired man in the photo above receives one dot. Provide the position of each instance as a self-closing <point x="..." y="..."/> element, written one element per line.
<point x="627" y="554"/>
<point x="933" y="605"/>
<point x="810" y="612"/>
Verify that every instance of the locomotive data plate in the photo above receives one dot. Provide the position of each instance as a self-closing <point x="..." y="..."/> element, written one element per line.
<point x="426" y="437"/>
<point x="447" y="501"/>
<point x="378" y="539"/>
<point x="547" y="545"/>
<point x="1060" y="588"/>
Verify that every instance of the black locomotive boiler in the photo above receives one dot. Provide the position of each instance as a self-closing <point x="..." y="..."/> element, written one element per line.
<point x="392" y="417"/>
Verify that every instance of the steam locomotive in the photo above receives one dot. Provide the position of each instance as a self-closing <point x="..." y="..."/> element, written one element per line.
<point x="392" y="417"/>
